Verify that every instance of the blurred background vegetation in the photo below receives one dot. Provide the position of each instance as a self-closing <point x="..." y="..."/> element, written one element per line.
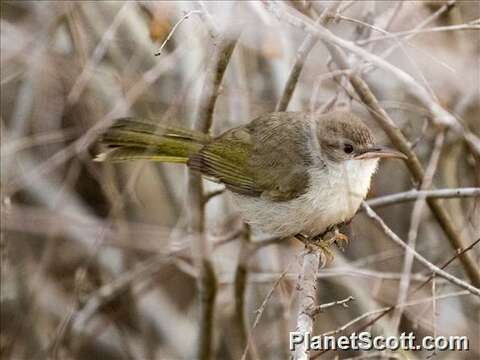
<point x="73" y="230"/>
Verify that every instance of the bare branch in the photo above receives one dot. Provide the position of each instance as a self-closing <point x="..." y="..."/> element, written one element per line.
<point x="307" y="295"/>
<point x="440" y="115"/>
<point x="301" y="56"/>
<point x="261" y="309"/>
<point x="207" y="282"/>
<point x="435" y="269"/>
<point x="414" y="194"/>
<point x="419" y="31"/>
<point x="321" y="308"/>
<point x="415" y="220"/>
<point x="172" y="31"/>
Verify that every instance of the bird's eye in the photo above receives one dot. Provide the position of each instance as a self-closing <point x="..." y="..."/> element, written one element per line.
<point x="348" y="148"/>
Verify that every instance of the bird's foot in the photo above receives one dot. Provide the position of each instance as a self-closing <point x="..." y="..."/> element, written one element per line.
<point x="336" y="237"/>
<point x="320" y="244"/>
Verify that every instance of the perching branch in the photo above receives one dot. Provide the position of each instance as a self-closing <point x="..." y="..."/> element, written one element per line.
<point x="306" y="284"/>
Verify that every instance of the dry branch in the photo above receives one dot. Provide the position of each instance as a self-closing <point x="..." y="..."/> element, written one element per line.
<point x="415" y="220"/>
<point x="414" y="194"/>
<point x="206" y="282"/>
<point x="301" y="56"/>
<point x="384" y="120"/>
<point x="435" y="269"/>
<point x="307" y="296"/>
<point x="439" y="114"/>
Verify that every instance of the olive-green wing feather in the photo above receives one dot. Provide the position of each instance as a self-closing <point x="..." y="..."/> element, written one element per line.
<point x="225" y="160"/>
<point x="269" y="157"/>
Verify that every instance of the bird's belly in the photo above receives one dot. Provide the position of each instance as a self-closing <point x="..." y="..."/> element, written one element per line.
<point x="330" y="199"/>
<point x="307" y="214"/>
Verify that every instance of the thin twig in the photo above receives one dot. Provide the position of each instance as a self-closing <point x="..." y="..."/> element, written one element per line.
<point x="414" y="194"/>
<point x="111" y="290"/>
<point x="435" y="269"/>
<point x="98" y="54"/>
<point x="415" y="220"/>
<point x="414" y="165"/>
<point x="301" y="56"/>
<point x="419" y="31"/>
<point x="174" y="28"/>
<point x="440" y="115"/>
<point x="261" y="309"/>
<point x="387" y="310"/>
<point x="321" y="308"/>
<point x="382" y="310"/>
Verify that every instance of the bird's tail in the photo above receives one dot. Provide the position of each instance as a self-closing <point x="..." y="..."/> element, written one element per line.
<point x="133" y="139"/>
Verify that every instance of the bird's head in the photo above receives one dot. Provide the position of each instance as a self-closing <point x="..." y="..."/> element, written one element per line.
<point x="343" y="136"/>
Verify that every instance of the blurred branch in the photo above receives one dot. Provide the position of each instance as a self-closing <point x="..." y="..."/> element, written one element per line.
<point x="439" y="114"/>
<point x="413" y="163"/>
<point x="210" y="195"/>
<point x="261" y="309"/>
<point x="441" y="11"/>
<point x="98" y="54"/>
<point x="301" y="56"/>
<point x="109" y="291"/>
<point x="435" y="269"/>
<point x="415" y="167"/>
<point x="419" y="31"/>
<point x="415" y="220"/>
<point x="382" y="310"/>
<point x="80" y="145"/>
<point x="240" y="285"/>
<point x="414" y="194"/>
<point x="385" y="311"/>
<point x="384" y="120"/>
<point x="206" y="282"/>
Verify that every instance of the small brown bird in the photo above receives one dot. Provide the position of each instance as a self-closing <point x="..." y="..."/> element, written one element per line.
<point x="290" y="173"/>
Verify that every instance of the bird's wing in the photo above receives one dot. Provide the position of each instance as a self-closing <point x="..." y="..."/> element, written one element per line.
<point x="268" y="157"/>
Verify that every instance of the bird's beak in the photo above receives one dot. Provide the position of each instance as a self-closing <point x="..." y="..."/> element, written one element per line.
<point x="379" y="151"/>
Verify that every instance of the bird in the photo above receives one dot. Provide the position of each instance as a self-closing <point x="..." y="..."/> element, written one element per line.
<point x="291" y="174"/>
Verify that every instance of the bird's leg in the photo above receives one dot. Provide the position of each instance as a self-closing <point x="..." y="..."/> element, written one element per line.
<point x="317" y="243"/>
<point x="335" y="236"/>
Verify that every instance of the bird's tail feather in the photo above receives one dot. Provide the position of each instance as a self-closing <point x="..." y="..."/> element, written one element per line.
<point x="133" y="139"/>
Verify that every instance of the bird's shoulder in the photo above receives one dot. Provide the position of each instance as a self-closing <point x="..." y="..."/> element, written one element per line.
<point x="268" y="157"/>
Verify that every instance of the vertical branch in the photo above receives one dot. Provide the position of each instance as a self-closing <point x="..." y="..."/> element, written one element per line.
<point x="306" y="283"/>
<point x="240" y="285"/>
<point x="207" y="282"/>
<point x="414" y="227"/>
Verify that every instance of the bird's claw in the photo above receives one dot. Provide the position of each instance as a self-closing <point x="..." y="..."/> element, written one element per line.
<point x="323" y="243"/>
<point x="336" y="237"/>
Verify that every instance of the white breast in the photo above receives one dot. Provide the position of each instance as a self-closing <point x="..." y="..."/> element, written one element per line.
<point x="334" y="195"/>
